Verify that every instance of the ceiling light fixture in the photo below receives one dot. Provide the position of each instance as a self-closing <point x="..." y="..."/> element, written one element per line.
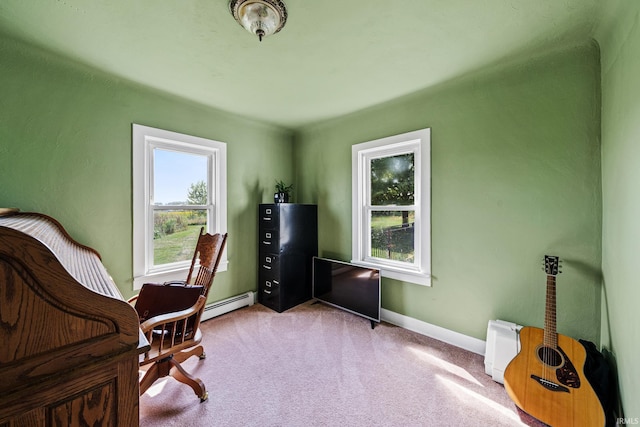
<point x="259" y="17"/>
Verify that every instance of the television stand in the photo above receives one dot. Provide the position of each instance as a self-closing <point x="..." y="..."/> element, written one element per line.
<point x="317" y="301"/>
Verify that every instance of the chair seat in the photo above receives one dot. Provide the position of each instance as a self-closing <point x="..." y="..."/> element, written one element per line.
<point x="155" y="353"/>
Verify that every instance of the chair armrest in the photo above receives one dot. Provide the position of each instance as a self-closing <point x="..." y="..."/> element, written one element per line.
<point x="163" y="319"/>
<point x="133" y="300"/>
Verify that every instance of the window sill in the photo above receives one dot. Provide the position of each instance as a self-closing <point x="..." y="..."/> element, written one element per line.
<point x="170" y="275"/>
<point x="416" y="277"/>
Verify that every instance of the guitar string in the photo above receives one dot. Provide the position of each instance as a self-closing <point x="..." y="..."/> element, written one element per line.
<point x="548" y="329"/>
<point x="546" y="333"/>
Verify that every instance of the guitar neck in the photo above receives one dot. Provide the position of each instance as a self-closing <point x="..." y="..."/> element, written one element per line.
<point x="550" y="333"/>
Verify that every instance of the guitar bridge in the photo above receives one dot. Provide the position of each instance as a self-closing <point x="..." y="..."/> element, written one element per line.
<point x="549" y="385"/>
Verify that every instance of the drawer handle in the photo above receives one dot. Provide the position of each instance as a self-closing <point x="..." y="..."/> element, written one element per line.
<point x="266" y="218"/>
<point x="276" y="282"/>
<point x="264" y="242"/>
<point x="267" y="292"/>
<point x="266" y="266"/>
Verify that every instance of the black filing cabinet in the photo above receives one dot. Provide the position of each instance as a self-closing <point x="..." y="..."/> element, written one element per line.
<point x="288" y="241"/>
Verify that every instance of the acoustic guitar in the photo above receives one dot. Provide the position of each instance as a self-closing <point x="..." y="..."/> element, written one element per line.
<point x="546" y="378"/>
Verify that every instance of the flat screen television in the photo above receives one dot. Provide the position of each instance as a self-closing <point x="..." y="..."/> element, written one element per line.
<point x="347" y="286"/>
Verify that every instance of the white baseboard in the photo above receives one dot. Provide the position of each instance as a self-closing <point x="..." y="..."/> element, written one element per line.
<point x="450" y="337"/>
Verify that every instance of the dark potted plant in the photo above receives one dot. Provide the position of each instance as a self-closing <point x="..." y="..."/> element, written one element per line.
<point x="282" y="192"/>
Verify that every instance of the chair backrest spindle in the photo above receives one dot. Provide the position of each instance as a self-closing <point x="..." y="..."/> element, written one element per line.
<point x="209" y="251"/>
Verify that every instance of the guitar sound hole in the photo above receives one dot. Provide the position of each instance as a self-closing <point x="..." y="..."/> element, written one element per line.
<point x="550" y="356"/>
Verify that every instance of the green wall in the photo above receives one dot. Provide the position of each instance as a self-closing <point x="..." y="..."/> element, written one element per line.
<point x="620" y="46"/>
<point x="515" y="175"/>
<point x="65" y="150"/>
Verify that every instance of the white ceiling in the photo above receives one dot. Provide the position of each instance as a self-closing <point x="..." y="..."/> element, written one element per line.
<point x="333" y="56"/>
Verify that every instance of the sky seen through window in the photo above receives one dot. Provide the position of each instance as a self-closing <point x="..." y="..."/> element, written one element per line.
<point x="174" y="172"/>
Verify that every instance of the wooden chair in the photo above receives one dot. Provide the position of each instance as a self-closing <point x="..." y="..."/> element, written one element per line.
<point x="174" y="337"/>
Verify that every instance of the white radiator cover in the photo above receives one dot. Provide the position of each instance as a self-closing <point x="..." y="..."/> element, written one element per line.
<point x="226" y="305"/>
<point x="503" y="344"/>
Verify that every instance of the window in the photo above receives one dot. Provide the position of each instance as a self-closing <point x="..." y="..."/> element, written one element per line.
<point x="179" y="186"/>
<point x="391" y="206"/>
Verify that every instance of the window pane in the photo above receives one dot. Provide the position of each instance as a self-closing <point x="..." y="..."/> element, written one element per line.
<point x="175" y="234"/>
<point x="392" y="180"/>
<point x="179" y="178"/>
<point x="392" y="235"/>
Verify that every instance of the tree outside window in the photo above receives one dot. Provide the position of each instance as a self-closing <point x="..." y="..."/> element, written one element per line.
<point x="392" y="185"/>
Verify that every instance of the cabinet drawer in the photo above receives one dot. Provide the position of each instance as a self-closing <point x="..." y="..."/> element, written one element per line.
<point x="269" y="291"/>
<point x="270" y="264"/>
<point x="269" y="241"/>
<point x="269" y="283"/>
<point x="269" y="216"/>
<point x="270" y="298"/>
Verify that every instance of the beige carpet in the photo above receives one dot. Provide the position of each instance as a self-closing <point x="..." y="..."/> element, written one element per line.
<point x="315" y="365"/>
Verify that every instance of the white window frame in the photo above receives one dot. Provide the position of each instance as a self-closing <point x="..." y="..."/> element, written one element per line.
<point x="144" y="140"/>
<point x="416" y="142"/>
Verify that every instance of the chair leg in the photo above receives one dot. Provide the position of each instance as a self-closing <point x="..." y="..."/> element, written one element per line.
<point x="178" y="372"/>
<point x="171" y="366"/>
<point x="184" y="355"/>
<point x="155" y="372"/>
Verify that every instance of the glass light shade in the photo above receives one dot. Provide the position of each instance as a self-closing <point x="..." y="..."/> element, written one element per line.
<point x="259" y="17"/>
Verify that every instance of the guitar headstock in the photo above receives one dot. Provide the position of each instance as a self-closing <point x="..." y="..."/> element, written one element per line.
<point x="552" y="265"/>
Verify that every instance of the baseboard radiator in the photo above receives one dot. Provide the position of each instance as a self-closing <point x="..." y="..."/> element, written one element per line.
<point x="226" y="305"/>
